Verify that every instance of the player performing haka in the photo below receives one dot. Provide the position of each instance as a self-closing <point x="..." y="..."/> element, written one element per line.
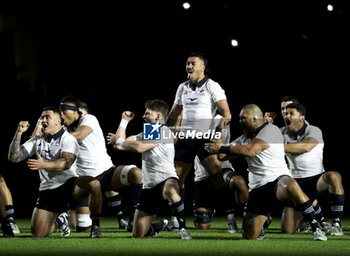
<point x="270" y="181"/>
<point x="160" y="181"/>
<point x="56" y="151"/>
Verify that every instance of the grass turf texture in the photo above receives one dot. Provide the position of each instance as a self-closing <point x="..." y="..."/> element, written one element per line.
<point x="215" y="241"/>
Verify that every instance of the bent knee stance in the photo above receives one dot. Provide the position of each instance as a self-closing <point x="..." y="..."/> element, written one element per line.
<point x="131" y="174"/>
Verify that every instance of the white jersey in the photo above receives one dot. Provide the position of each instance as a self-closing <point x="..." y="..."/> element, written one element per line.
<point x="93" y="158"/>
<point x="200" y="173"/>
<point x="199" y="105"/>
<point x="51" y="150"/>
<point x="158" y="162"/>
<point x="310" y="163"/>
<point x="269" y="164"/>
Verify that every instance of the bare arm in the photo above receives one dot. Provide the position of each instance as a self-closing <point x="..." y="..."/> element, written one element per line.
<point x="224" y="110"/>
<point x="17" y="153"/>
<point x="250" y="150"/>
<point x="61" y="164"/>
<point x="174" y="115"/>
<point x="82" y="132"/>
<point x="304" y="146"/>
<point x="138" y="146"/>
<point x="112" y="138"/>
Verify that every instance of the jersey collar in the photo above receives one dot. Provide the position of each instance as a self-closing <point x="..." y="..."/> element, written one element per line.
<point x="199" y="84"/>
<point x="301" y="131"/>
<point x="49" y="137"/>
<point x="253" y="134"/>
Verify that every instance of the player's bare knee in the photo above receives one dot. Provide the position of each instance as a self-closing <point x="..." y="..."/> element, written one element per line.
<point x="202" y="226"/>
<point x="94" y="185"/>
<point x="135" y="175"/>
<point x="2" y="180"/>
<point x="38" y="234"/>
<point x="130" y="174"/>
<point x="238" y="182"/>
<point x="333" y="178"/>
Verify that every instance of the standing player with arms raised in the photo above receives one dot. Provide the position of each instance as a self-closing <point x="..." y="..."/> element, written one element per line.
<point x="198" y="99"/>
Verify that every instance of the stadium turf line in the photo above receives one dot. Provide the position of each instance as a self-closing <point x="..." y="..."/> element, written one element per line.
<point x="215" y="241"/>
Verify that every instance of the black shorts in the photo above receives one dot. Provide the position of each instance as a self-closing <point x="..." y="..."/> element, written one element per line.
<point x="105" y="179"/>
<point x="263" y="200"/>
<point x="204" y="194"/>
<point x="309" y="184"/>
<point x="57" y="200"/>
<point x="152" y="198"/>
<point x="187" y="149"/>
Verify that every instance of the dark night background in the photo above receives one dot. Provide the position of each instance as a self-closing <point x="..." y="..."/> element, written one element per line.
<point x="115" y="56"/>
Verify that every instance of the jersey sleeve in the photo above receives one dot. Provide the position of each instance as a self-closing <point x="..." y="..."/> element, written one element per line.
<point x="89" y="120"/>
<point x="70" y="145"/>
<point x="29" y="145"/>
<point x="270" y="134"/>
<point x="314" y="132"/>
<point x="178" y="96"/>
<point x="217" y="92"/>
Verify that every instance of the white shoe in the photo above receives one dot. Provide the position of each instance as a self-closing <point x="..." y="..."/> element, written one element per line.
<point x="65" y="230"/>
<point x="304" y="227"/>
<point x="319" y="235"/>
<point x="326" y="227"/>
<point x="14" y="228"/>
<point x="173" y="225"/>
<point x="123" y="224"/>
<point x="232" y="225"/>
<point x="184" y="234"/>
<point x="336" y="230"/>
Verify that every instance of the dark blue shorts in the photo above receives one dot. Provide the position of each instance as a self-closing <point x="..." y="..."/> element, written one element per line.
<point x="187" y="149"/>
<point x="57" y="200"/>
<point x="152" y="198"/>
<point x="308" y="185"/>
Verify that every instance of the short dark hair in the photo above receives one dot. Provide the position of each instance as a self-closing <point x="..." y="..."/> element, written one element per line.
<point x="71" y="99"/>
<point x="158" y="105"/>
<point x="300" y="108"/>
<point x="289" y="98"/>
<point x="204" y="58"/>
<point x="53" y="109"/>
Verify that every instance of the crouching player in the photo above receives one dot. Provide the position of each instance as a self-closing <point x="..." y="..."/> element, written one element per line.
<point x="56" y="152"/>
<point x="159" y="178"/>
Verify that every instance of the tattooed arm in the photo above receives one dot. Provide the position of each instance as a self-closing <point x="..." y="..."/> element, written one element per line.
<point x="17" y="153"/>
<point x="61" y="164"/>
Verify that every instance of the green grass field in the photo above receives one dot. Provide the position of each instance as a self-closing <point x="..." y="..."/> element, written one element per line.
<point x="215" y="241"/>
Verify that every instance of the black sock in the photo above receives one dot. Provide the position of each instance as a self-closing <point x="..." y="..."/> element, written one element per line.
<point x="308" y="213"/>
<point x="95" y="219"/>
<point x="178" y="210"/>
<point x="115" y="204"/>
<point x="336" y="202"/>
<point x="225" y="198"/>
<point x="182" y="194"/>
<point x="319" y="214"/>
<point x="135" y="196"/>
